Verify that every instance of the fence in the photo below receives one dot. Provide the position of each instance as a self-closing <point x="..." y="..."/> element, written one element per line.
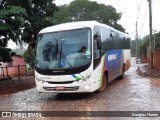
<point x="13" y="72"/>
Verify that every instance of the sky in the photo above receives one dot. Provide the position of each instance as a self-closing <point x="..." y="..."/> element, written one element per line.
<point x="132" y="11"/>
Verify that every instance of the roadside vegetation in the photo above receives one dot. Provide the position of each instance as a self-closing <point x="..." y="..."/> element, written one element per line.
<point x="144" y="44"/>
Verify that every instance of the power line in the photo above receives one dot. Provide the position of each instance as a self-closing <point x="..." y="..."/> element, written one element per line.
<point x="138" y="6"/>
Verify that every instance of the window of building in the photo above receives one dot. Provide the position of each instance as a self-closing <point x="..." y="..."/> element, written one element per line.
<point x="10" y="64"/>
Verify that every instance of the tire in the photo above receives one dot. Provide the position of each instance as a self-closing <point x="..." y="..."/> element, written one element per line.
<point x="122" y="75"/>
<point x="104" y="84"/>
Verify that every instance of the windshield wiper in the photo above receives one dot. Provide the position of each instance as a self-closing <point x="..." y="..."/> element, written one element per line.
<point x="61" y="53"/>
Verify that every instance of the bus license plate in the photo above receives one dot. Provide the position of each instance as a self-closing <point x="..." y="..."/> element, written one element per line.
<point x="60" y="88"/>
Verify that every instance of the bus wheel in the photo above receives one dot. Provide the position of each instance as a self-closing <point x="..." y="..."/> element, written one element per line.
<point x="104" y="84"/>
<point x="122" y="75"/>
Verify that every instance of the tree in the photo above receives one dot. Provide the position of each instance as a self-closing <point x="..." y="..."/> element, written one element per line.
<point x="29" y="57"/>
<point x="38" y="13"/>
<point x="61" y="16"/>
<point x="145" y="42"/>
<point x="157" y="40"/>
<point x="11" y="20"/>
<point x="82" y="10"/>
<point x="23" y="18"/>
<point x="6" y="54"/>
<point x="143" y="48"/>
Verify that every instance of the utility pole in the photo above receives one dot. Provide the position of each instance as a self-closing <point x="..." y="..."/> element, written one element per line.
<point x="150" y="36"/>
<point x="136" y="43"/>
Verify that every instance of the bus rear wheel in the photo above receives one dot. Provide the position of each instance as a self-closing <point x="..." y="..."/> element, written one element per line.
<point x="104" y="84"/>
<point x="123" y="71"/>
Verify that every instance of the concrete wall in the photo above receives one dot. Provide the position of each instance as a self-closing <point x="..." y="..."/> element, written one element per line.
<point x="13" y="70"/>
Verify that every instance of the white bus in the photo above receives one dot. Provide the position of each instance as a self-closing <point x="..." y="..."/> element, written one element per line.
<point x="80" y="57"/>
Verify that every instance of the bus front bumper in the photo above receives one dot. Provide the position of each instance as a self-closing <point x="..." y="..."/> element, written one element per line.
<point x="74" y="87"/>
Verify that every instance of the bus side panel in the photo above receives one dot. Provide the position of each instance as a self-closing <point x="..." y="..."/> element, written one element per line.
<point x="114" y="63"/>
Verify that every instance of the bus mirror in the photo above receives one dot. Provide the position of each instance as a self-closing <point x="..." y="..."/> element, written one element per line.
<point x="98" y="40"/>
<point x="99" y="44"/>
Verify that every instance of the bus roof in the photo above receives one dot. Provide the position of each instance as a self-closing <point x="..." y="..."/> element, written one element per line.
<point x="76" y="25"/>
<point x="69" y="26"/>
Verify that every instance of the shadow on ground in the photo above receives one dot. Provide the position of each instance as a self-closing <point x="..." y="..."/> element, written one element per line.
<point x="13" y="86"/>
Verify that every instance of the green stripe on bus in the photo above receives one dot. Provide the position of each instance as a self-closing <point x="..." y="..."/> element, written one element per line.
<point x="103" y="66"/>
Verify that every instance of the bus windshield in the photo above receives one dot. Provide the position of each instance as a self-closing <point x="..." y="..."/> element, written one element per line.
<point x="64" y="49"/>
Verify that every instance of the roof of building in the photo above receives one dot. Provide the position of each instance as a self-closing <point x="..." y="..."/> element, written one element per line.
<point x="17" y="56"/>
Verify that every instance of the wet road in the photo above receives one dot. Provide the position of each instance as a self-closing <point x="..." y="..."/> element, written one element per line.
<point x="134" y="93"/>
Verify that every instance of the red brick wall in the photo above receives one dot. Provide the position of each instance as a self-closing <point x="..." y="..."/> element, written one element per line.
<point x="156" y="55"/>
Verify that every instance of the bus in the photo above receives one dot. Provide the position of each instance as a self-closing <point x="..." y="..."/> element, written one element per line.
<point x="80" y="57"/>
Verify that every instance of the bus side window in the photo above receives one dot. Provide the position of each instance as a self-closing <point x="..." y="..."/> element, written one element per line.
<point x="112" y="41"/>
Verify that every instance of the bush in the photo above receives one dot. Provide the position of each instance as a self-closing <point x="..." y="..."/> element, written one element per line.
<point x="143" y="49"/>
<point x="29" y="57"/>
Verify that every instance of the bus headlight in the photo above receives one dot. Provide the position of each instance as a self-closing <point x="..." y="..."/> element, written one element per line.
<point x="87" y="87"/>
<point x="39" y="80"/>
